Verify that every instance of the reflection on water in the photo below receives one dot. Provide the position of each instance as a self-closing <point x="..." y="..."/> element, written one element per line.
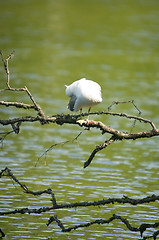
<point x="115" y="44"/>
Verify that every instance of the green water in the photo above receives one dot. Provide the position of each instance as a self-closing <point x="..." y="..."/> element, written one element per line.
<point x="115" y="43"/>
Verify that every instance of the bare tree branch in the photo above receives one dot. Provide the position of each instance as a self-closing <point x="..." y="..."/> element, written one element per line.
<point x="2" y="234"/>
<point x="124" y="200"/>
<point x="129" y="101"/>
<point x="140" y="229"/>
<point x="75" y="119"/>
<point x="21" y="105"/>
<point x="99" y="148"/>
<point x="58" y="144"/>
<point x="17" y="104"/>
<point x="5" y="62"/>
<point x="61" y="119"/>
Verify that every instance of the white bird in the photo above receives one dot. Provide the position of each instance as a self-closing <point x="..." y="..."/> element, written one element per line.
<point x="83" y="93"/>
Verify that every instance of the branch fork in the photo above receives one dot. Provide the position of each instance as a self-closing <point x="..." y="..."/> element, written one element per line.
<point x="61" y="119"/>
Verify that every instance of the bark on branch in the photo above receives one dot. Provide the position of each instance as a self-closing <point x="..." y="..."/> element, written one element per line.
<point x="54" y="205"/>
<point x="61" y="119"/>
<point x="143" y="227"/>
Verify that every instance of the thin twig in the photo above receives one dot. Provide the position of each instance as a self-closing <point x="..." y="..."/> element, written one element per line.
<point x="58" y="144"/>
<point x="4" y="135"/>
<point x="21" y="105"/>
<point x="129" y="101"/>
<point x="37" y="107"/>
<point x="6" y="67"/>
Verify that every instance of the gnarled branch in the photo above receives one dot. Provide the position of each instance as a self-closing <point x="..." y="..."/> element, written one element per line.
<point x="124" y="200"/>
<point x="61" y="119"/>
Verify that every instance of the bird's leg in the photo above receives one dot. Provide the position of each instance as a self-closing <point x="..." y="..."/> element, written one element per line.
<point x="89" y="109"/>
<point x="88" y="128"/>
<point x="81" y="121"/>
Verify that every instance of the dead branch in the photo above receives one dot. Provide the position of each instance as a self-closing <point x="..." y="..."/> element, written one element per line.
<point x="142" y="228"/>
<point x="35" y="106"/>
<point x="57" y="144"/>
<point x="124" y="200"/>
<point x="5" y="63"/>
<point x="118" y="102"/>
<point x="25" y="89"/>
<point x="73" y="119"/>
<point x="2" y="234"/>
<point x="99" y="148"/>
<point x="17" y="105"/>
<point x="61" y="119"/>
<point x="154" y="235"/>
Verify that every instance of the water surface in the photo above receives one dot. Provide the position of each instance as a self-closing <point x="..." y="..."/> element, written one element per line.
<point x="115" y="43"/>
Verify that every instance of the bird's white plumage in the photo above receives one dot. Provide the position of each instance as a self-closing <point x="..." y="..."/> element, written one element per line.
<point x="83" y="93"/>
